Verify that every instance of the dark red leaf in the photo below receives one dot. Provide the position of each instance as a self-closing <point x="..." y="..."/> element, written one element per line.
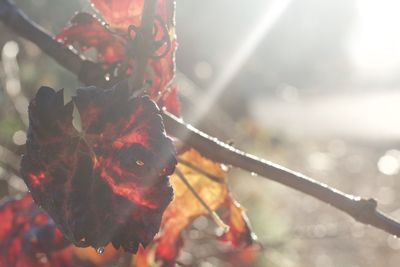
<point x="107" y="183"/>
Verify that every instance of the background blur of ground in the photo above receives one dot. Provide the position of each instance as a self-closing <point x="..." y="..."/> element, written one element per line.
<point x="319" y="94"/>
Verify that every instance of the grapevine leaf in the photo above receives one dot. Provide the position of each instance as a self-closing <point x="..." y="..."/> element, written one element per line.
<point x="111" y="41"/>
<point x="109" y="184"/>
<point x="29" y="238"/>
<point x="209" y="180"/>
<point x="86" y="31"/>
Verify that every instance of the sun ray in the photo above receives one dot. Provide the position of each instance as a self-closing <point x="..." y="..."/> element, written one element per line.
<point x="260" y="30"/>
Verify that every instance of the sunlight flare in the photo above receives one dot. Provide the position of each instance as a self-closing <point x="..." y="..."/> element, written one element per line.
<point x="260" y="30"/>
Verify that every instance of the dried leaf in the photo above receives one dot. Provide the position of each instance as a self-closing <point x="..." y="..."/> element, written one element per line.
<point x="109" y="184"/>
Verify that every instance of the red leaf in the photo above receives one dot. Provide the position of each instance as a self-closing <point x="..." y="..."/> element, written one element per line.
<point x="29" y="238"/>
<point x="107" y="183"/>
<point x="86" y="31"/>
<point x="120" y="13"/>
<point x="170" y="101"/>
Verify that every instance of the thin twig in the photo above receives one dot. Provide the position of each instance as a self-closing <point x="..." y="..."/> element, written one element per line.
<point x="88" y="72"/>
<point x="363" y="210"/>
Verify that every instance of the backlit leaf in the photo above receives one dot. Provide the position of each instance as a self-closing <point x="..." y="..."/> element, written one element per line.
<point x="86" y="31"/>
<point x="109" y="184"/>
<point x="240" y="233"/>
<point x="210" y="182"/>
<point x="29" y="238"/>
<point x="111" y="42"/>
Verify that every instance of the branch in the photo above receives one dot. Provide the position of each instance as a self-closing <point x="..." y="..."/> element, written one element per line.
<point x="88" y="72"/>
<point x="363" y="210"/>
<point x="144" y="44"/>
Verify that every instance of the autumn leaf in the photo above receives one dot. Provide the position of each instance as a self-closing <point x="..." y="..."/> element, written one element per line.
<point x="87" y="31"/>
<point x="240" y="233"/>
<point x="113" y="44"/>
<point x="200" y="185"/>
<point x="209" y="181"/>
<point x="108" y="183"/>
<point x="29" y="238"/>
<point x="120" y="13"/>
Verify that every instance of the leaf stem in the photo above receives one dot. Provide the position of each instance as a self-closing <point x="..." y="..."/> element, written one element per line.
<point x="218" y="221"/>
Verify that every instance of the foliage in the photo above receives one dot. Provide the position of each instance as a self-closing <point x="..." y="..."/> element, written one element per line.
<point x="99" y="163"/>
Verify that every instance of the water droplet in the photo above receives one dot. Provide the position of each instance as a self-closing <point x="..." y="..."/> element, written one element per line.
<point x="140" y="163"/>
<point x="100" y="250"/>
<point x="224" y="167"/>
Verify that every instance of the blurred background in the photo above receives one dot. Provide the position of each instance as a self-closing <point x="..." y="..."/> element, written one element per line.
<point x="313" y="85"/>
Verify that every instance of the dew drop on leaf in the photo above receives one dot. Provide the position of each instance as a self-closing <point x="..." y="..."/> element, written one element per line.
<point x="100" y="250"/>
<point x="140" y="163"/>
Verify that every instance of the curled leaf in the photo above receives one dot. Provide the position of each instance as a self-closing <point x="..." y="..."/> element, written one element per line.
<point x="108" y="183"/>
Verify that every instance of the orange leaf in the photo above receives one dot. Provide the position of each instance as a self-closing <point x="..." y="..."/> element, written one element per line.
<point x="239" y="233"/>
<point x="90" y="254"/>
<point x="209" y="181"/>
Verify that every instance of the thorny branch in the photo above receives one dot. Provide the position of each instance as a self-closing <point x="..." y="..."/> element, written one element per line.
<point x="90" y="73"/>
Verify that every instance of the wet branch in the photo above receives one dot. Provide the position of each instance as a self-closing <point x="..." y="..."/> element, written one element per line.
<point x="90" y="73"/>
